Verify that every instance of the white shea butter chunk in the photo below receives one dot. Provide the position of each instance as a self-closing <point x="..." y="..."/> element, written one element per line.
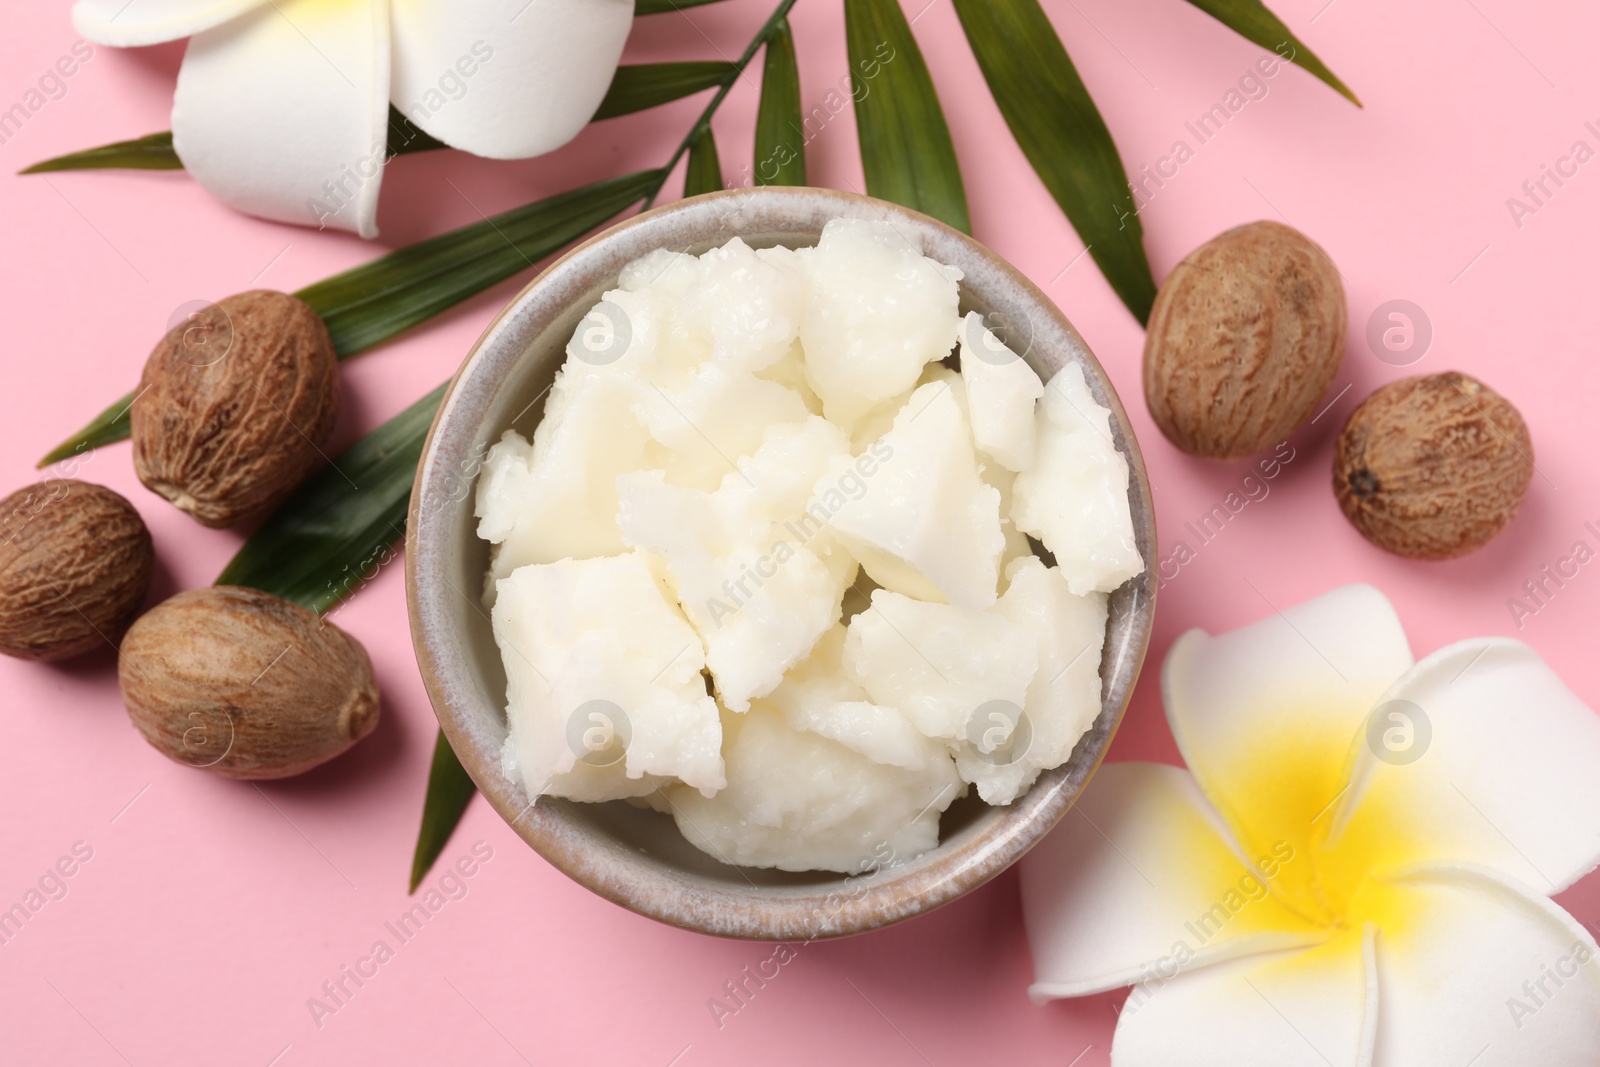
<point x="769" y="500"/>
<point x="665" y="271"/>
<point x="774" y="485"/>
<point x="1074" y="497"/>
<point x="876" y="311"/>
<point x="924" y="523"/>
<point x="556" y="498"/>
<point x="718" y="418"/>
<point x="818" y="697"/>
<point x="759" y="581"/>
<point x="626" y="333"/>
<point x="1017" y="546"/>
<point x="799" y="801"/>
<point x="790" y="372"/>
<point x="878" y="421"/>
<point x="938" y="664"/>
<point x="604" y="692"/>
<point x="1001" y="389"/>
<point x="746" y="304"/>
<point x="1006" y="751"/>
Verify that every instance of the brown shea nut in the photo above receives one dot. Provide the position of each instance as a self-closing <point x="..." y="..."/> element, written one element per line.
<point x="1432" y="467"/>
<point x="75" y="564"/>
<point x="245" y="684"/>
<point x="1244" y="337"/>
<point x="234" y="406"/>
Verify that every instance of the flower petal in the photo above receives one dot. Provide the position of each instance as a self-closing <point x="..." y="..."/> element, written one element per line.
<point x="1140" y="883"/>
<point x="1499" y="768"/>
<point x="130" y="23"/>
<point x="1265" y="715"/>
<point x="1476" y="968"/>
<point x="281" y="113"/>
<point x="1315" y="1007"/>
<point x="506" y="78"/>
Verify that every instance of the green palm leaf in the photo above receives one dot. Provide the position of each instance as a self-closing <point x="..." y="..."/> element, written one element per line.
<point x="153" y="152"/>
<point x="377" y="300"/>
<point x="450" y="789"/>
<point x="704" y="172"/>
<point x="780" y="128"/>
<point x="1061" y="132"/>
<point x="108" y="427"/>
<point x="1251" y="20"/>
<point x="647" y="85"/>
<point x="906" y="149"/>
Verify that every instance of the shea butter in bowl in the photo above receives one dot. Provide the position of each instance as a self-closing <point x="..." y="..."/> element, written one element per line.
<point x="830" y="534"/>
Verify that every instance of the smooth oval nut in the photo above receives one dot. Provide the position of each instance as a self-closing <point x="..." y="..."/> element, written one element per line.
<point x="235" y="405"/>
<point x="245" y="684"/>
<point x="1432" y="467"/>
<point x="75" y="565"/>
<point x="1245" y="336"/>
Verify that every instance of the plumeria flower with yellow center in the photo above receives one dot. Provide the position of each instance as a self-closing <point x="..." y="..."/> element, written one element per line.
<point x="282" y="106"/>
<point x="1356" y="867"/>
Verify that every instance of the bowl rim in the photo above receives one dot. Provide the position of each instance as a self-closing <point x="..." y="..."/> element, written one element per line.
<point x="649" y="887"/>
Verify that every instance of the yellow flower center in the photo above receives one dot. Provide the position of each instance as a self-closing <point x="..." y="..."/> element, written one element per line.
<point x="1285" y="800"/>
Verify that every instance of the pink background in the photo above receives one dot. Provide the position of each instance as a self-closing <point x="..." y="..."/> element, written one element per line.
<point x="211" y="910"/>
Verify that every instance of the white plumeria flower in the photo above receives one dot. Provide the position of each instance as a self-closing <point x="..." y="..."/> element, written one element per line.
<point x="282" y="106"/>
<point x="1357" y="869"/>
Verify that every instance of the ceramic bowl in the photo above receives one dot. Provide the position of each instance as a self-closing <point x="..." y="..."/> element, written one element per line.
<point x="636" y="857"/>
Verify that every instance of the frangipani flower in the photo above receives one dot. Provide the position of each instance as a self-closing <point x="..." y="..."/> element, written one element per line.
<point x="282" y="106"/>
<point x="1355" y="869"/>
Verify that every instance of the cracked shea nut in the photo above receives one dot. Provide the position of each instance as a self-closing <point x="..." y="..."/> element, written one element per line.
<point x="1432" y="467"/>
<point x="1244" y="338"/>
<point x="245" y="684"/>
<point x="75" y="564"/>
<point x="235" y="405"/>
